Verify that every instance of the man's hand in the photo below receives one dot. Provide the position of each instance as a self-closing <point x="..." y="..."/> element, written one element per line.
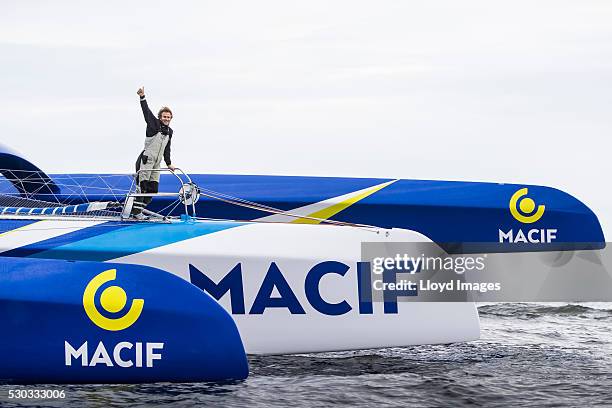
<point x="140" y="91"/>
<point x="171" y="167"/>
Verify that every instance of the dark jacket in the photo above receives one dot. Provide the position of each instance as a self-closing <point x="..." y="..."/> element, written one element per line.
<point x="155" y="126"/>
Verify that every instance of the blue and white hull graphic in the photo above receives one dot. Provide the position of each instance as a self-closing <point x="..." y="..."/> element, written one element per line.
<point x="289" y="288"/>
<point x="447" y="212"/>
<point x="295" y="289"/>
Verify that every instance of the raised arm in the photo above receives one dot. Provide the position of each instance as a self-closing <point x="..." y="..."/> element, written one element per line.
<point x="148" y="115"/>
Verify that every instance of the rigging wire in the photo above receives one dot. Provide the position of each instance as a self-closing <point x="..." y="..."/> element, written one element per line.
<point x="79" y="191"/>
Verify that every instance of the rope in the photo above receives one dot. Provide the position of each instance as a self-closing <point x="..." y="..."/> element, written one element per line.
<point x="261" y="207"/>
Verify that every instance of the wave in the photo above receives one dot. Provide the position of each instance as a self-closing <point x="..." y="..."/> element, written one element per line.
<point x="536" y="310"/>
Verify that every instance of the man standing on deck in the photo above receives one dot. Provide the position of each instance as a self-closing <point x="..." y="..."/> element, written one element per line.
<point x="156" y="147"/>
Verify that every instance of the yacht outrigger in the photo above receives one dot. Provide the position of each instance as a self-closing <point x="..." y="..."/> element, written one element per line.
<point x="88" y="294"/>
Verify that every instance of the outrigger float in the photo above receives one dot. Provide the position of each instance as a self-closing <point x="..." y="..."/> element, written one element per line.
<point x="90" y="295"/>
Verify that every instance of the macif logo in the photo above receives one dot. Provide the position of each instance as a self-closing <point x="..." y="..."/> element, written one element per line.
<point x="523" y="209"/>
<point x="275" y="291"/>
<point x="113" y="300"/>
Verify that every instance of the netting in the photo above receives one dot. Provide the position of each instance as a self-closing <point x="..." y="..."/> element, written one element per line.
<point x="86" y="195"/>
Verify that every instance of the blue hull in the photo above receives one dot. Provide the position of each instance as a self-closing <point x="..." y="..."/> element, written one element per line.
<point x="448" y="212"/>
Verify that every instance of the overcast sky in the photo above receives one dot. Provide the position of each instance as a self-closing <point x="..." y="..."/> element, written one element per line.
<point x="515" y="91"/>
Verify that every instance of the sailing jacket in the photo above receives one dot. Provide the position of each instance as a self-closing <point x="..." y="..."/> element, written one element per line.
<point x="154" y="126"/>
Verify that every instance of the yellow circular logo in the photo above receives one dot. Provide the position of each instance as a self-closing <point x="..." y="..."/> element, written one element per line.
<point x="113" y="299"/>
<point x="524" y="210"/>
